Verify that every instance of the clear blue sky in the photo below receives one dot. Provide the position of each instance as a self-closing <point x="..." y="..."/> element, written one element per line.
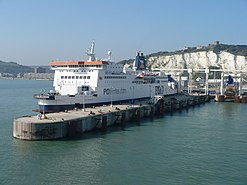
<point x="35" y="32"/>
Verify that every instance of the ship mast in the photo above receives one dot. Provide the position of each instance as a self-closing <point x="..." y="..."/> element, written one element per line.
<point x="90" y="52"/>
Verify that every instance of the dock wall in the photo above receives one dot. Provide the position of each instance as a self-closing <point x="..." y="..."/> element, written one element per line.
<point x="77" y="122"/>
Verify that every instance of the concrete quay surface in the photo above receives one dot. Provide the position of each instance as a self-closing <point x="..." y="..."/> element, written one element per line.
<point x="75" y="122"/>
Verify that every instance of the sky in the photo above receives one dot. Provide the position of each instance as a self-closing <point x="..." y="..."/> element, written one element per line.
<point x="36" y="32"/>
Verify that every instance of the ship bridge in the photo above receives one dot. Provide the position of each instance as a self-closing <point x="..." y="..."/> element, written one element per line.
<point x="73" y="77"/>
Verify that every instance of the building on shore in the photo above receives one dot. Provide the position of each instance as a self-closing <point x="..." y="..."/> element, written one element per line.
<point x="38" y="76"/>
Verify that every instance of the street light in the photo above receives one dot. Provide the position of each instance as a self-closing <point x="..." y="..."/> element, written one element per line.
<point x="111" y="96"/>
<point x="43" y="98"/>
<point x="83" y="101"/>
<point x="83" y="97"/>
<point x="133" y="94"/>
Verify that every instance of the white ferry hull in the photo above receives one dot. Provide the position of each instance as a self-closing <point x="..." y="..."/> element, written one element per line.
<point x="138" y="92"/>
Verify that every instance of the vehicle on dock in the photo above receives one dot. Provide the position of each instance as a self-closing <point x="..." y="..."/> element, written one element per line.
<point x="80" y="84"/>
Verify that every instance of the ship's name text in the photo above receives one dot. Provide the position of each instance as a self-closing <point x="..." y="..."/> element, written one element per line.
<point x="108" y="91"/>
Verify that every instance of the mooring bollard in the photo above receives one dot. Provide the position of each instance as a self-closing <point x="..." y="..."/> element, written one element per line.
<point x="123" y="120"/>
<point x="104" y="123"/>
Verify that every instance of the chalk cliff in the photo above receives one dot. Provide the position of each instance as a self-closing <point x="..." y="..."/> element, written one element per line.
<point x="222" y="56"/>
<point x="199" y="59"/>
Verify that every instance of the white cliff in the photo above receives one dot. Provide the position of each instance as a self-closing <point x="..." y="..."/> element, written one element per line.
<point x="200" y="59"/>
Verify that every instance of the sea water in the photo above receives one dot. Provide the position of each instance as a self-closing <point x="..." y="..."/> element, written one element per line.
<point x="206" y="144"/>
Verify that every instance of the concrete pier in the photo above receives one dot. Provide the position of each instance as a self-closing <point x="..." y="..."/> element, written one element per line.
<point x="75" y="122"/>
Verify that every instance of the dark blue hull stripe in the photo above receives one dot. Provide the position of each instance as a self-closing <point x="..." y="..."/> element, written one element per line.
<point x="57" y="108"/>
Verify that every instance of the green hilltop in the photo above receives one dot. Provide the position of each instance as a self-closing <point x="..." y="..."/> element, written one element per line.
<point x="216" y="48"/>
<point x="14" y="68"/>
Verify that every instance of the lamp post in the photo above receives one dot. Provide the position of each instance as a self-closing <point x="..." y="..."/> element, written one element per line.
<point x="133" y="94"/>
<point x="111" y="96"/>
<point x="190" y="81"/>
<point x="83" y="96"/>
<point x="43" y="98"/>
<point x="240" y="84"/>
<point x="206" y="83"/>
<point x="222" y="83"/>
<point x="83" y="101"/>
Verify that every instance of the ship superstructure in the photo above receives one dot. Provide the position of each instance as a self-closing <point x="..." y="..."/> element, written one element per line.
<point x="79" y="84"/>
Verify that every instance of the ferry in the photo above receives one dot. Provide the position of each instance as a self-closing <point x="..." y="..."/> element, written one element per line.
<point x="81" y="84"/>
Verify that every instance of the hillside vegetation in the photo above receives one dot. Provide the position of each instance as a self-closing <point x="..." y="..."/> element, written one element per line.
<point x="14" y="68"/>
<point x="216" y="48"/>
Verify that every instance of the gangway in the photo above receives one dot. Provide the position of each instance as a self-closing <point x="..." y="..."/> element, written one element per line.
<point x="178" y="72"/>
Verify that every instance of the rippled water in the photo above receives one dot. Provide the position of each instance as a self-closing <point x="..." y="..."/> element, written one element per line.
<point x="203" y="145"/>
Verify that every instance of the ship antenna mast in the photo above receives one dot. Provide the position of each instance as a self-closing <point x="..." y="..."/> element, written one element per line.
<point x="90" y="52"/>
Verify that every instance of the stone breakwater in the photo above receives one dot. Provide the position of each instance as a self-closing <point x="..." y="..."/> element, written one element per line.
<point x="76" y="122"/>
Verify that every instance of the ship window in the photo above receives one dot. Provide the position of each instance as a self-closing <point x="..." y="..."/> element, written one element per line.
<point x="88" y="77"/>
<point x="77" y="77"/>
<point x="84" y="77"/>
<point x="85" y="88"/>
<point x="73" y="77"/>
<point x="69" y="77"/>
<point x="80" y="77"/>
<point x="65" y="77"/>
<point x="62" y="77"/>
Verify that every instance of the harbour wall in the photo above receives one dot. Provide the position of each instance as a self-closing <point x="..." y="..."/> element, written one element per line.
<point x="76" y="122"/>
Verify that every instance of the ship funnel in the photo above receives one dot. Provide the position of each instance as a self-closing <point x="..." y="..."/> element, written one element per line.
<point x="140" y="62"/>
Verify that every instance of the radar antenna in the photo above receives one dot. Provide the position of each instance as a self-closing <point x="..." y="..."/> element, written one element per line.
<point x="109" y="55"/>
<point x="90" y="52"/>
